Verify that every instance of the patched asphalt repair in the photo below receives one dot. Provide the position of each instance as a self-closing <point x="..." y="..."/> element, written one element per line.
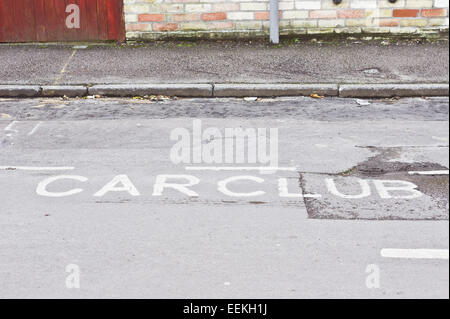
<point x="432" y="205"/>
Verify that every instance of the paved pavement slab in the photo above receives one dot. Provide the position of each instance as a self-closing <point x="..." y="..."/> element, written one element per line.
<point x="226" y="63"/>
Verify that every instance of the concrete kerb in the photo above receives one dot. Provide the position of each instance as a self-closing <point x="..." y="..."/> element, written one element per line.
<point x="20" y="90"/>
<point x="229" y="90"/>
<point x="64" y="90"/>
<point x="183" y="90"/>
<point x="267" y="90"/>
<point x="393" y="90"/>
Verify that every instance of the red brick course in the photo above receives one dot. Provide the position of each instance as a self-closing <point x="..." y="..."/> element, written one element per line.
<point x="151" y="17"/>
<point x="342" y="14"/>
<point x="137" y="26"/>
<point x="405" y="13"/>
<point x="165" y="26"/>
<point x="434" y="13"/>
<point x="214" y="16"/>
<point x="319" y="14"/>
<point x="262" y="15"/>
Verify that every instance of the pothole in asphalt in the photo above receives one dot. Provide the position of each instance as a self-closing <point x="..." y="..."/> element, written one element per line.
<point x="379" y="189"/>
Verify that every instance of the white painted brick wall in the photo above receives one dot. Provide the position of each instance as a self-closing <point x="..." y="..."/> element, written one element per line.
<point x="364" y="4"/>
<point x="308" y="5"/>
<point x="441" y="3"/>
<point x="143" y="16"/>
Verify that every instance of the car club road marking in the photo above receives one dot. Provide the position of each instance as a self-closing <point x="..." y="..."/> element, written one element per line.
<point x="415" y="253"/>
<point x="386" y="189"/>
<point x="121" y="183"/>
<point x="184" y="184"/>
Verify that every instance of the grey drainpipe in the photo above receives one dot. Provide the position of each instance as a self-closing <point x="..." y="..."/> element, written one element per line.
<point x="274" y="22"/>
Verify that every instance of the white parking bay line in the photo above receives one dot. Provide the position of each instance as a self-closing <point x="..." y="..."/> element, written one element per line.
<point x="10" y="127"/>
<point x="442" y="172"/>
<point x="34" y="168"/>
<point x="35" y="128"/>
<point x="415" y="253"/>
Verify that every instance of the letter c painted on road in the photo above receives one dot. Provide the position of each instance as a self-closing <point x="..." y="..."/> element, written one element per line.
<point x="42" y="186"/>
<point x="223" y="186"/>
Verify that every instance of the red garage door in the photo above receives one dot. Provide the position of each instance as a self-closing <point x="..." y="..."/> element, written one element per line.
<point x="61" y="20"/>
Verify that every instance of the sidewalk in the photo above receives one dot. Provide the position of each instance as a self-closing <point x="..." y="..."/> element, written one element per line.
<point x="321" y="68"/>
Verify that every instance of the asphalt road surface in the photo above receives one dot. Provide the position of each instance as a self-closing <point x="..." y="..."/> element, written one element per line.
<point x="336" y="198"/>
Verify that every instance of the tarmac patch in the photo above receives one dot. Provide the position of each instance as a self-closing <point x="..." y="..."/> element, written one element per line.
<point x="379" y="189"/>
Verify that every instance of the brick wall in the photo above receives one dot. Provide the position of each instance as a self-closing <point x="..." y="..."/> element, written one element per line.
<point x="154" y="19"/>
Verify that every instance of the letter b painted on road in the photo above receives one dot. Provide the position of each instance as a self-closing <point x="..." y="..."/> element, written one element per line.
<point x="396" y="189"/>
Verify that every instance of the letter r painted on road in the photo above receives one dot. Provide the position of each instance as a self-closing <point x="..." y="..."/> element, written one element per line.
<point x="161" y="184"/>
